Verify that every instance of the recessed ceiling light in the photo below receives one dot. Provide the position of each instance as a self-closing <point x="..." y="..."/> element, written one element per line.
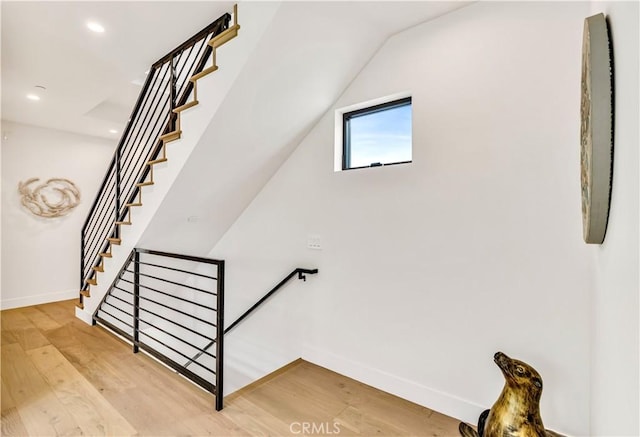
<point x="33" y="97"/>
<point x="113" y="131"/>
<point x="95" y="27"/>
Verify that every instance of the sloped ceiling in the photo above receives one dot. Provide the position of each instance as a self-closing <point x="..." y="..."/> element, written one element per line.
<point x="90" y="78"/>
<point x="306" y="58"/>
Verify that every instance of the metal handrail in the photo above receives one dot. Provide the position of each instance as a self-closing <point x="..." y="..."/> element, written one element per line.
<point x="301" y="275"/>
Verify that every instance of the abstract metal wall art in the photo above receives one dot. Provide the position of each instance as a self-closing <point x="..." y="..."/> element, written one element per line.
<point x="54" y="198"/>
<point x="596" y="129"/>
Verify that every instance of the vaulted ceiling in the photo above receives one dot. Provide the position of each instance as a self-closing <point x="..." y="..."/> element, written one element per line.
<point x="305" y="59"/>
<point x="307" y="56"/>
<point x="92" y="80"/>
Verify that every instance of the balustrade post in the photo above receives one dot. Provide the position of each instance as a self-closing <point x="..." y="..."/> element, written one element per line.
<point x="136" y="300"/>
<point x="82" y="249"/>
<point x="220" y="337"/>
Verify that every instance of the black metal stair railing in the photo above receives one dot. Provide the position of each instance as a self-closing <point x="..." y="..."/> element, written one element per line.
<point x="167" y="87"/>
<point x="172" y="307"/>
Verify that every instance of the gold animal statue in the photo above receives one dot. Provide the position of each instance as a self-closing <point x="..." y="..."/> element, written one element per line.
<point x="516" y="413"/>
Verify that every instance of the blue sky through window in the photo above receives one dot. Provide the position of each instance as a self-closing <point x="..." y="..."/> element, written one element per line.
<point x="383" y="137"/>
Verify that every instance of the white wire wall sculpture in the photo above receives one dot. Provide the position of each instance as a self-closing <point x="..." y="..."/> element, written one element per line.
<point x="54" y="198"/>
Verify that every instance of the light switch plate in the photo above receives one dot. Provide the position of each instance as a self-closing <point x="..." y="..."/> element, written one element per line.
<point x="314" y="242"/>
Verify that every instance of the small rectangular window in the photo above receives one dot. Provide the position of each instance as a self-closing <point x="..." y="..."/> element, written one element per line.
<point x="377" y="135"/>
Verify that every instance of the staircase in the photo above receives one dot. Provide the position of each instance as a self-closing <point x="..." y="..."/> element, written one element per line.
<point x="171" y="89"/>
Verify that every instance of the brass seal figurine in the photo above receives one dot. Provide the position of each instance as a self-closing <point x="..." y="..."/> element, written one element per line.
<point x="516" y="413"/>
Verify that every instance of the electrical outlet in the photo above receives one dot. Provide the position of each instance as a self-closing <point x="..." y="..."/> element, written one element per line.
<point x="314" y="242"/>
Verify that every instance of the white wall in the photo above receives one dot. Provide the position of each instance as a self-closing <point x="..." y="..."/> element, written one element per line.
<point x="1" y="136"/>
<point x="614" y="355"/>
<point x="428" y="269"/>
<point x="40" y="257"/>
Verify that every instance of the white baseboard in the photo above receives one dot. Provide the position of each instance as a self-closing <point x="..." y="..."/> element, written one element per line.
<point x="436" y="400"/>
<point x="19" y="302"/>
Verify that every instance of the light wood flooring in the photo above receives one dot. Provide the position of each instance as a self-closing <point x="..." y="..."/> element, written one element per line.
<point x="63" y="377"/>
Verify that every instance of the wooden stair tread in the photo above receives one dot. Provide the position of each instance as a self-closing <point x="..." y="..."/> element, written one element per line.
<point x="85" y="293"/>
<point x="92" y="281"/>
<point x="128" y="205"/>
<point x="203" y="73"/>
<point x="185" y="106"/>
<point x="171" y="136"/>
<point x="123" y="223"/>
<point x="106" y="255"/>
<point x="144" y="184"/>
<point x="156" y="161"/>
<point x="114" y="240"/>
<point x="80" y="305"/>
<point x="98" y="268"/>
<point x="225" y="36"/>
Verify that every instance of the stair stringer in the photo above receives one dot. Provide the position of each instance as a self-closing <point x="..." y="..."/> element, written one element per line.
<point x="212" y="90"/>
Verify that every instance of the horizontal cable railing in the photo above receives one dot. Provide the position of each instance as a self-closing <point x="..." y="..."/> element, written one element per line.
<point x="172" y="307"/>
<point x="167" y="87"/>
